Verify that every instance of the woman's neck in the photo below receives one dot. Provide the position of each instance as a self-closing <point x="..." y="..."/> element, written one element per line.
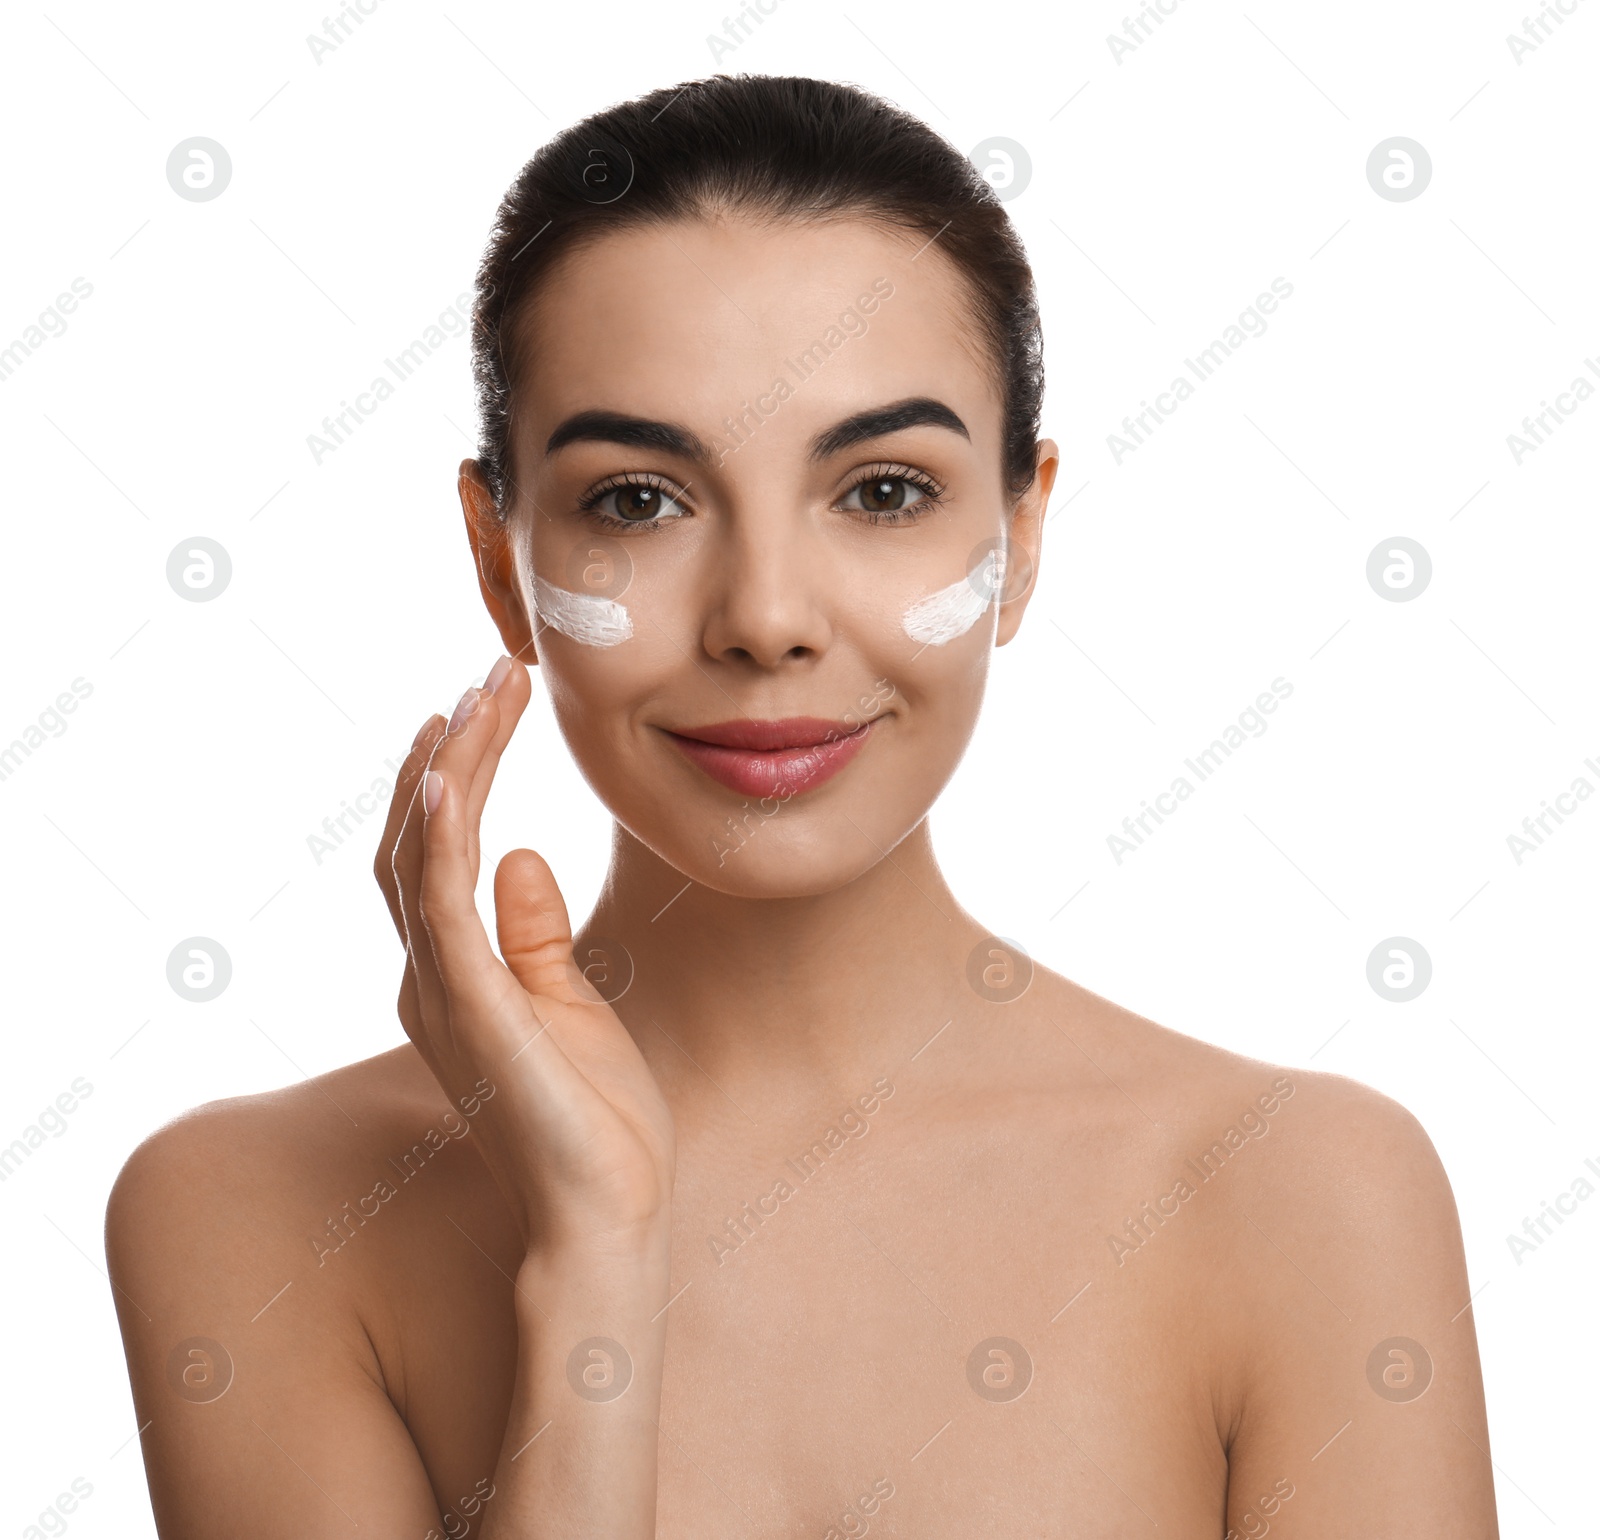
<point x="837" y="985"/>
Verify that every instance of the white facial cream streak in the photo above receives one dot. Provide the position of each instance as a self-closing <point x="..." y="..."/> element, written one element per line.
<point x="586" y="618"/>
<point x="947" y="613"/>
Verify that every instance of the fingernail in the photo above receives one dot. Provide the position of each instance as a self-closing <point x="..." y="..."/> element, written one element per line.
<point x="497" y="676"/>
<point x="432" y="790"/>
<point x="464" y="709"/>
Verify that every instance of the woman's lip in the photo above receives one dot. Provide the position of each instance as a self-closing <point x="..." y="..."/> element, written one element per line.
<point x="782" y="771"/>
<point x="783" y="733"/>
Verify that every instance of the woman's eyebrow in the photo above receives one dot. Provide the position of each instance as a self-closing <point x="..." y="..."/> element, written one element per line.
<point x="914" y="412"/>
<point x="597" y="426"/>
<point x="620" y="428"/>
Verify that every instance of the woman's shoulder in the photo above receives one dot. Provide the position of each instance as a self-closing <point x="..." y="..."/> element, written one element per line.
<point x="249" y="1243"/>
<point x="1328" y="1133"/>
<point x="238" y="1179"/>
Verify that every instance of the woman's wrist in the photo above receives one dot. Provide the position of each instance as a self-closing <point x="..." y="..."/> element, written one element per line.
<point x="582" y="1246"/>
<point x="616" y="1271"/>
<point x="580" y="1445"/>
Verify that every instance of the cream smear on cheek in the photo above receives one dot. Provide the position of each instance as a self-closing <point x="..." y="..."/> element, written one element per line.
<point x="947" y="613"/>
<point x="586" y="618"/>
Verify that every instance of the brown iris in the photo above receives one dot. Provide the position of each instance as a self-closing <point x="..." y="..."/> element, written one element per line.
<point x="885" y="495"/>
<point x="638" y="502"/>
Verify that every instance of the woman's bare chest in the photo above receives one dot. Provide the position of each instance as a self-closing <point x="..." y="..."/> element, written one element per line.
<point x="865" y="1343"/>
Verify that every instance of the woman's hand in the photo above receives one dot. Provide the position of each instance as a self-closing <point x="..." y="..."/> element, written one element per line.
<point x="573" y="1125"/>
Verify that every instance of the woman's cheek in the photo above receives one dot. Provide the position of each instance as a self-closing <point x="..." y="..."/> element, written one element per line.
<point x="939" y="617"/>
<point x="590" y="619"/>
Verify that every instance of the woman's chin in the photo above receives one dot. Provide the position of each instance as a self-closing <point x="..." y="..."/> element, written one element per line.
<point x="764" y="862"/>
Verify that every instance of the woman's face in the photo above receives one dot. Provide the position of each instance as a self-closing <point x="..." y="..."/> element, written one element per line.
<point x="759" y="501"/>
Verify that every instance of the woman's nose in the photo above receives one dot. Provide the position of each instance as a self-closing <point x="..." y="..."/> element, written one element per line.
<point x="769" y="597"/>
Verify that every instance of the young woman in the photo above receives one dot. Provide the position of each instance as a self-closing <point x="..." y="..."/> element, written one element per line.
<point x="779" y="1198"/>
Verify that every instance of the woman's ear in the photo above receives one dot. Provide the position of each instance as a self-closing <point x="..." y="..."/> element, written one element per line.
<point x="1026" y="536"/>
<point x="495" y="559"/>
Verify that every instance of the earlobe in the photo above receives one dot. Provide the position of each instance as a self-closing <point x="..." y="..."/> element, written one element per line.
<point x="495" y="559"/>
<point x="1025" y="534"/>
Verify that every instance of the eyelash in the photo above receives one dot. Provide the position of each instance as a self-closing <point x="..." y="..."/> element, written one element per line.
<point x="932" y="496"/>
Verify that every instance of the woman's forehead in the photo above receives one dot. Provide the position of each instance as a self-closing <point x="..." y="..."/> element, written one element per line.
<point x="693" y="319"/>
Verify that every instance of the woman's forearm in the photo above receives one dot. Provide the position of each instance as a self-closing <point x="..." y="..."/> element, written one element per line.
<point x="579" y="1455"/>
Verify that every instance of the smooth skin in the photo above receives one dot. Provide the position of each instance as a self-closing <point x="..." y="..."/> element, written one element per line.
<point x="788" y="1187"/>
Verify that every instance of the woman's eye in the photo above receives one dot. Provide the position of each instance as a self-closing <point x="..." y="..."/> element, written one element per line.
<point x="637" y="503"/>
<point x="885" y="494"/>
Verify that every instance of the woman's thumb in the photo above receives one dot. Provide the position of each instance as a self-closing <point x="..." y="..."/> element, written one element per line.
<point x="531" y="921"/>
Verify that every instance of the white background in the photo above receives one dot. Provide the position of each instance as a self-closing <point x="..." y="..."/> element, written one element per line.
<point x="1167" y="191"/>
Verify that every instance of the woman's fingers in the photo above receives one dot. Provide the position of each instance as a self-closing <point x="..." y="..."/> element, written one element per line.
<point x="427" y="867"/>
<point x="453" y="747"/>
<point x="384" y="869"/>
<point x="511" y="686"/>
<point x="416" y="761"/>
<point x="409" y="1005"/>
<point x="459" y="976"/>
<point x="473" y="977"/>
<point x="407" y="866"/>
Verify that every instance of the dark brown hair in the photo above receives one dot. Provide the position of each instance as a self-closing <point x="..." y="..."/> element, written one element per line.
<point x="775" y="146"/>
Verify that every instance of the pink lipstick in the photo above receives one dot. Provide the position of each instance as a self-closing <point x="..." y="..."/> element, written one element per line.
<point x="772" y="759"/>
